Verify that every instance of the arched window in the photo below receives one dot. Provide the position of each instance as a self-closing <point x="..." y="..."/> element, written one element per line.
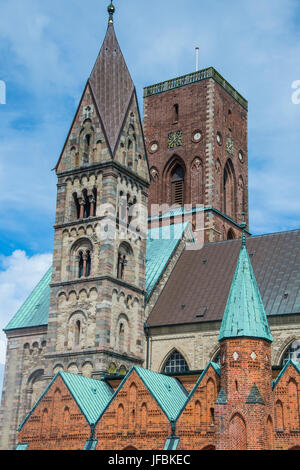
<point x="279" y="416"/>
<point x="177" y="186"/>
<point x="81" y="259"/>
<point x="77" y="332"/>
<point x="229" y="190"/>
<point x="144" y="417"/>
<point x="86" y="142"/>
<point x="175" y="113"/>
<point x="132" y="421"/>
<point x="44" y="423"/>
<point x="175" y="364"/>
<point x="120" y="417"/>
<point x="212" y="416"/>
<point x="80" y="264"/>
<point x="229" y="120"/>
<point x="197" y="414"/>
<point x="66" y="420"/>
<point x="293" y="398"/>
<point x="124" y="258"/>
<point x="121" y="336"/>
<point x="230" y="235"/>
<point x="88" y="264"/>
<point x="292" y="353"/>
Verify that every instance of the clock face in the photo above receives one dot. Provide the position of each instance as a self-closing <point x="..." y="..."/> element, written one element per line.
<point x="154" y="147"/>
<point x="174" y="139"/>
<point x="229" y="146"/>
<point x="241" y="156"/>
<point x="219" y="138"/>
<point x="197" y="136"/>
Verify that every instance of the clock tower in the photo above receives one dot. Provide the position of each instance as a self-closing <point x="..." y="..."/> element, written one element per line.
<point x="195" y="129"/>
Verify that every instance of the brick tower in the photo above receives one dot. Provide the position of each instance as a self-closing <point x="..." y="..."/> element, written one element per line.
<point x="196" y="135"/>
<point x="96" y="314"/>
<point x="244" y="408"/>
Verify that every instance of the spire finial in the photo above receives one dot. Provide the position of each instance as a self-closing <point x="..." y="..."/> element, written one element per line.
<point x="111" y="9"/>
<point x="243" y="226"/>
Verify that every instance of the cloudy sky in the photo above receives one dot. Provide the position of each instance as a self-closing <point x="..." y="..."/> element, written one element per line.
<point x="47" y="52"/>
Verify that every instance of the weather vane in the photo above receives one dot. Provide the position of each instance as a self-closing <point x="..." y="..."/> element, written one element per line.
<point x="111" y="9"/>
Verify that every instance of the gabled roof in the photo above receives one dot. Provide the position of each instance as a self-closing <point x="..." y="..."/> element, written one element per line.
<point x="290" y="362"/>
<point x="244" y="314"/>
<point x="201" y="279"/>
<point x="90" y="395"/>
<point x="216" y="368"/>
<point x="168" y="392"/>
<point x="112" y="87"/>
<point x="34" y="311"/>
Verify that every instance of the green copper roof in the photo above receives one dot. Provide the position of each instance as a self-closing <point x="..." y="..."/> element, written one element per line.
<point x="255" y="397"/>
<point x="168" y="392"/>
<point x="244" y="313"/>
<point x="222" y="397"/>
<point x="161" y="244"/>
<point x="34" y="311"/>
<point x="290" y="362"/>
<point x="91" y="395"/>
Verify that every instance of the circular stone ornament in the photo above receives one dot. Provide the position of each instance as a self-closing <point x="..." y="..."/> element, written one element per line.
<point x="197" y="135"/>
<point x="219" y="138"/>
<point x="153" y="147"/>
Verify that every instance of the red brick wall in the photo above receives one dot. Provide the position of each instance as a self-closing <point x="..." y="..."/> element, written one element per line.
<point x="203" y="106"/>
<point x="58" y="429"/>
<point x="242" y="425"/>
<point x="287" y="410"/>
<point x="117" y="429"/>
<point x="195" y="426"/>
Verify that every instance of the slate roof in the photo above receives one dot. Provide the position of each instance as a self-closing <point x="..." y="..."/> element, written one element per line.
<point x="92" y="396"/>
<point x="198" y="288"/>
<point x="244" y="314"/>
<point x="34" y="311"/>
<point x="112" y="87"/>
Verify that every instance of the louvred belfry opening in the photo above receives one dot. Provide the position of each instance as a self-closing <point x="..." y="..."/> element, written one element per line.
<point x="177" y="186"/>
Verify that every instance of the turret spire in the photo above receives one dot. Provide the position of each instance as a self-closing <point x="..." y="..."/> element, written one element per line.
<point x="245" y="314"/>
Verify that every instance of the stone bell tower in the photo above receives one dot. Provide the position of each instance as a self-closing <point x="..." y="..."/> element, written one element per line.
<point x="96" y="312"/>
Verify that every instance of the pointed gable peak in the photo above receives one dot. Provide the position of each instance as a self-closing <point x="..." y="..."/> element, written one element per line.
<point x="111" y="86"/>
<point x="244" y="314"/>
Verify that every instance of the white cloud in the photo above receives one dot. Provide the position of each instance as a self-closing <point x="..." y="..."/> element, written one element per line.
<point x="19" y="275"/>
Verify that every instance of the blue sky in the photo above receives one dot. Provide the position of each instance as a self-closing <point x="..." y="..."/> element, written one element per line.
<point x="48" y="50"/>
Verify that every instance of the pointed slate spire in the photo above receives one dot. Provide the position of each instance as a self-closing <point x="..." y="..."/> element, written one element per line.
<point x="111" y="84"/>
<point x="245" y="314"/>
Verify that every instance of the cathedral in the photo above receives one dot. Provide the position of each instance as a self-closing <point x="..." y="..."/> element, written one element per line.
<point x="162" y="324"/>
